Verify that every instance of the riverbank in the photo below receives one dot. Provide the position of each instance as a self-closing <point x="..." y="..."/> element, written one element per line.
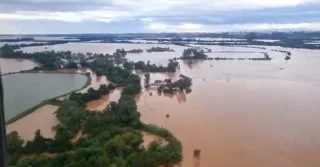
<point x="52" y="101"/>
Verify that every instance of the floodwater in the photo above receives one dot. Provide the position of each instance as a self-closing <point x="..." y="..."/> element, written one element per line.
<point x="96" y="81"/>
<point x="240" y="113"/>
<point x="15" y="65"/>
<point x="43" y="118"/>
<point x="102" y="103"/>
<point x="23" y="91"/>
<point x="244" y="113"/>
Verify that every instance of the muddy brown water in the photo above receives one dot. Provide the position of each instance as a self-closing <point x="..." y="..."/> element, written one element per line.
<point x="15" y="65"/>
<point x="242" y="113"/>
<point x="96" y="81"/>
<point x="43" y="118"/>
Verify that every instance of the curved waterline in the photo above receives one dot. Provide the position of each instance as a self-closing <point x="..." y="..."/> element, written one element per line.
<point x="53" y="100"/>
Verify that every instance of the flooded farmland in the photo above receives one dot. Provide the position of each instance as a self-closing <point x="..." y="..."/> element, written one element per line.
<point x="240" y="113"/>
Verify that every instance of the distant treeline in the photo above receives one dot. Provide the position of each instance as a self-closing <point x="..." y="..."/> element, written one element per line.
<point x="17" y="40"/>
<point x="18" y="46"/>
<point x="135" y="51"/>
<point x="196" y="54"/>
<point x="159" y="49"/>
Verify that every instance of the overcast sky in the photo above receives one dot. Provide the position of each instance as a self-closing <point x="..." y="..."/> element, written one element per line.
<point x="125" y="16"/>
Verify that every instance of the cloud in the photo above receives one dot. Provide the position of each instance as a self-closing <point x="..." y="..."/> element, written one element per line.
<point x="191" y="27"/>
<point x="161" y="15"/>
<point x="147" y="19"/>
<point x="105" y="15"/>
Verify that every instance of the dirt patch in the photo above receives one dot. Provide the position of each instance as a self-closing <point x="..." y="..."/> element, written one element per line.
<point x="148" y="138"/>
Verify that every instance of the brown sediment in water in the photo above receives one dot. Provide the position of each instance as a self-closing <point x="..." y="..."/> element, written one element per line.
<point x="43" y="118"/>
<point x="8" y="65"/>
<point x="101" y="104"/>
<point x="243" y="113"/>
<point x="232" y="127"/>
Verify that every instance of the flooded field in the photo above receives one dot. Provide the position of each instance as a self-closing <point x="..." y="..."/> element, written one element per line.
<point x="23" y="91"/>
<point x="15" y="65"/>
<point x="240" y="113"/>
<point x="244" y="113"/>
<point x="43" y="119"/>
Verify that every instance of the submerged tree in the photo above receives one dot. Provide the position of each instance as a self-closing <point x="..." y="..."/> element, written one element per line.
<point x="165" y="121"/>
<point x="196" y="153"/>
<point x="287" y="58"/>
<point x="147" y="80"/>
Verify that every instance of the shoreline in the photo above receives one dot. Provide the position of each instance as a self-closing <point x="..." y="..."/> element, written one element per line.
<point x="46" y="101"/>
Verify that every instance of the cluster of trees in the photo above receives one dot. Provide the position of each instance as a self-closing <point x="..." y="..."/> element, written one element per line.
<point x="135" y="51"/>
<point x="265" y="57"/>
<point x="159" y="49"/>
<point x="183" y="84"/>
<point x="202" y="49"/>
<point x="16" y="40"/>
<point x="282" y="51"/>
<point x="253" y="59"/>
<point x="92" y="94"/>
<point x="18" y="46"/>
<point x="147" y="67"/>
<point x="47" y="60"/>
<point x="193" y="53"/>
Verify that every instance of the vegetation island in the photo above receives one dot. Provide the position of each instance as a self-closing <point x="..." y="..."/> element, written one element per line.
<point x="135" y="51"/>
<point x="181" y="85"/>
<point x="198" y="54"/>
<point x="159" y="49"/>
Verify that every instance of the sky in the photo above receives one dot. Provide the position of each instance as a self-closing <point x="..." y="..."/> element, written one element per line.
<point x="144" y="16"/>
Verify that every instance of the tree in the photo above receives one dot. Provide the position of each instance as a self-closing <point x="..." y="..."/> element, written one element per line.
<point x="147" y="79"/>
<point x="165" y="122"/>
<point x="193" y="53"/>
<point x="103" y="89"/>
<point x="172" y="66"/>
<point x="128" y="65"/>
<point x="287" y="58"/>
<point x="132" y="89"/>
<point x="196" y="153"/>
<point x="140" y="65"/>
<point x="14" y="143"/>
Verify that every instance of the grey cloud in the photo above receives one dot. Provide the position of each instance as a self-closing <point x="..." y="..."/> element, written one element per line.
<point x="10" y="6"/>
